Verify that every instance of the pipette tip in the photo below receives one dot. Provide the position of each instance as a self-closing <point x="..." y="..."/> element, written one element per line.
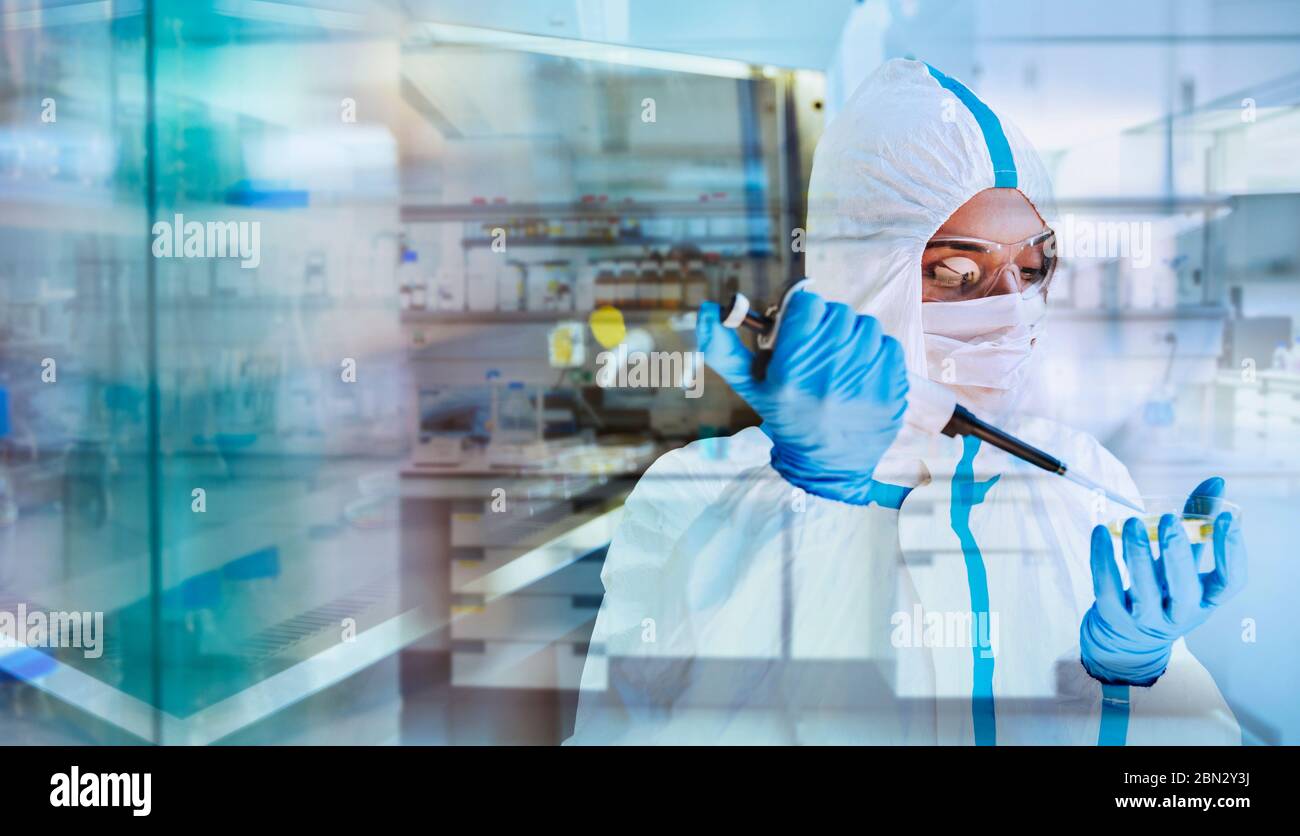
<point x="1084" y="481"/>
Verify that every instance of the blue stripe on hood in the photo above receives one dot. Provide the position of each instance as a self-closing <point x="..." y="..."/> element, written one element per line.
<point x="1004" y="164"/>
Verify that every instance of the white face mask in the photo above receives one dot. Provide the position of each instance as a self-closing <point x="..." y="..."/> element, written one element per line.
<point x="983" y="342"/>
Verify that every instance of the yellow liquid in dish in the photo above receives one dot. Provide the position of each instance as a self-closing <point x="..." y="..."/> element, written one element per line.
<point x="1198" y="530"/>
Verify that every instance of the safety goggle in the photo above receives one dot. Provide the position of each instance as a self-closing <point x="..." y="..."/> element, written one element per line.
<point x="955" y="267"/>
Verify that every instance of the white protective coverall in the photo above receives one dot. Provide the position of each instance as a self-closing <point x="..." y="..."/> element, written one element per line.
<point x="738" y="609"/>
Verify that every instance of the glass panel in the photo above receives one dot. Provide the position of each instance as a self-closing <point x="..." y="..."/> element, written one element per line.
<point x="77" y="520"/>
<point x="283" y="415"/>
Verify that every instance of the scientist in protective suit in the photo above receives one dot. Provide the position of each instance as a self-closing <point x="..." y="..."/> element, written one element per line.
<point x="799" y="582"/>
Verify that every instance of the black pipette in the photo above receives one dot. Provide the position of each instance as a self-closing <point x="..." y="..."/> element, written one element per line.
<point x="931" y="408"/>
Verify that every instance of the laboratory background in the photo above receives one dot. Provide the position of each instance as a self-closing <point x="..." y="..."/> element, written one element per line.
<point x="334" y="335"/>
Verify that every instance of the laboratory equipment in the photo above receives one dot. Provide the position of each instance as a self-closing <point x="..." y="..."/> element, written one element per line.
<point x="566" y="346"/>
<point x="518" y="421"/>
<point x="407" y="278"/>
<point x="511" y="281"/>
<point x="931" y="407"/>
<point x="449" y="417"/>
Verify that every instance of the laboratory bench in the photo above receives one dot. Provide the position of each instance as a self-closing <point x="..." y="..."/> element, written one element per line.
<point x="506" y="562"/>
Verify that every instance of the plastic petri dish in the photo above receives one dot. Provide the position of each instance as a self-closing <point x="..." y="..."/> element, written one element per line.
<point x="1197" y="516"/>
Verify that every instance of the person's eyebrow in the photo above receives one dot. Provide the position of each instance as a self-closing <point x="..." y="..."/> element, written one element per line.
<point x="954" y="243"/>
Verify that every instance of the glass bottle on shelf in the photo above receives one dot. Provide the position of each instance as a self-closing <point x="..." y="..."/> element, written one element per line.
<point x="605" y="285"/>
<point x="419" y="291"/>
<point x="510" y="287"/>
<point x="406" y="278"/>
<point x="695" y="287"/>
<point x="584" y="284"/>
<point x="625" y="285"/>
<point x="670" y="285"/>
<point x="629" y="226"/>
<point x="648" y="280"/>
<point x="729" y="283"/>
<point x="518" y="424"/>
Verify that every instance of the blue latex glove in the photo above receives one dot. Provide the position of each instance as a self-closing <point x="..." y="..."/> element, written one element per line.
<point x="1127" y="635"/>
<point x="833" y="396"/>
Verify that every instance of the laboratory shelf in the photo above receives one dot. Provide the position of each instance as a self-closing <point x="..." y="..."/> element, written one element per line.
<point x="517" y="317"/>
<point x="1143" y="204"/>
<point x="95" y="215"/>
<point x="450" y="212"/>
<point x="218" y="303"/>
<point x="1136" y="314"/>
<point x="642" y="241"/>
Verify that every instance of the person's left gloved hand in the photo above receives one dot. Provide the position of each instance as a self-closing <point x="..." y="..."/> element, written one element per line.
<point x="1127" y="636"/>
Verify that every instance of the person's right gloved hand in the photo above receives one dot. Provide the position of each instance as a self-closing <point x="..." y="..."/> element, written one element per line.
<point x="832" y="398"/>
<point x="1127" y="636"/>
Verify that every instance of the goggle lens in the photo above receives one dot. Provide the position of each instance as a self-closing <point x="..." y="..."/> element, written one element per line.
<point x="957" y="268"/>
